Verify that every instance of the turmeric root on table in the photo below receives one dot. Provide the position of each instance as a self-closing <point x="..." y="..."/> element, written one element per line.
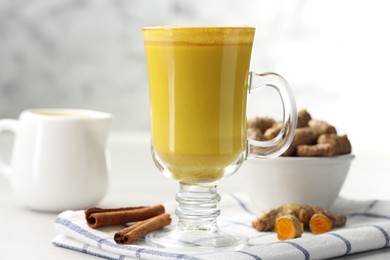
<point x="288" y="227"/>
<point x="289" y="220"/>
<point x="266" y="221"/>
<point x="324" y="222"/>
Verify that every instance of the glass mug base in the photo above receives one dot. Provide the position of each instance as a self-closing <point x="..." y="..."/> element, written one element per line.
<point x="196" y="241"/>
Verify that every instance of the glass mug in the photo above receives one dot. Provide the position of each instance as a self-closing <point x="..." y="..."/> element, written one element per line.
<point x="199" y="80"/>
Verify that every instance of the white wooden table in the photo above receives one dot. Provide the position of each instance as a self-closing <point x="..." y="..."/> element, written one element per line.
<point x="26" y="234"/>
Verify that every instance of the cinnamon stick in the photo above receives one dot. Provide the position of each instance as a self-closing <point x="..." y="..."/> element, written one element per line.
<point x="140" y="229"/>
<point x="98" y="217"/>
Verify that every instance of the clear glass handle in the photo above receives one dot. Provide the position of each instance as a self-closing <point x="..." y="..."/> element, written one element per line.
<point x="278" y="145"/>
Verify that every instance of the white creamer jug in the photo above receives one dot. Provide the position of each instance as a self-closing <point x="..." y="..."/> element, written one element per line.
<point x="59" y="159"/>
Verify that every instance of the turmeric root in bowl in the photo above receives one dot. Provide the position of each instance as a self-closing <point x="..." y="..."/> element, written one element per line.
<point x="311" y="171"/>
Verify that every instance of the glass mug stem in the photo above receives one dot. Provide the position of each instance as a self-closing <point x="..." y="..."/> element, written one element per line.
<point x="197" y="208"/>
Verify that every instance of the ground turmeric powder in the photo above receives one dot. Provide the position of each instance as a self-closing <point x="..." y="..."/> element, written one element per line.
<point x="289" y="220"/>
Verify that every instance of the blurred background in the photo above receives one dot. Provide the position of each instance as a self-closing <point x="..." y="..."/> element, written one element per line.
<point x="89" y="54"/>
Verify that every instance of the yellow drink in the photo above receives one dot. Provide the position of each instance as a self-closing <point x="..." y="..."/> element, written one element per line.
<point x="198" y="91"/>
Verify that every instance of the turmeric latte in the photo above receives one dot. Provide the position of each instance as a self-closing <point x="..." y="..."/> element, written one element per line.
<point x="198" y="89"/>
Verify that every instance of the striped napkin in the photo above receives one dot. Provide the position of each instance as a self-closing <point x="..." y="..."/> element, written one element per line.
<point x="368" y="228"/>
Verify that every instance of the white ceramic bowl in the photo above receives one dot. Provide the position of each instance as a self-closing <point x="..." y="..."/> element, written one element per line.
<point x="309" y="180"/>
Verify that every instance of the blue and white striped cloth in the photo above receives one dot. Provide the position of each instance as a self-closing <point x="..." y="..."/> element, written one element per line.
<point x="368" y="228"/>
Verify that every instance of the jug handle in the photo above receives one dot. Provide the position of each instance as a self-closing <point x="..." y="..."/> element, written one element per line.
<point x="10" y="125"/>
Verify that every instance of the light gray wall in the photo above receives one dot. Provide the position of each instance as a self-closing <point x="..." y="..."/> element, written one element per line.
<point x="89" y="54"/>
